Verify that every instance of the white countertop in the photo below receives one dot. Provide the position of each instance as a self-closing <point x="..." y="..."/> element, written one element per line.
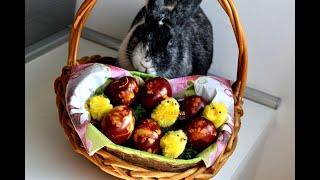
<point x="49" y="154"/>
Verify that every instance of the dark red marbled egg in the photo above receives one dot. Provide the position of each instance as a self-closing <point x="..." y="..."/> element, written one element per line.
<point x="146" y="136"/>
<point x="191" y="107"/>
<point x="154" y="91"/>
<point x="118" y="124"/>
<point x="122" y="91"/>
<point x="201" y="133"/>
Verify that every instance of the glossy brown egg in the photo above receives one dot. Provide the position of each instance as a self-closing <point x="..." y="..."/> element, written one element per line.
<point x="201" y="133"/>
<point x="191" y="107"/>
<point x="154" y="91"/>
<point x="146" y="136"/>
<point x="122" y="91"/>
<point x="118" y="124"/>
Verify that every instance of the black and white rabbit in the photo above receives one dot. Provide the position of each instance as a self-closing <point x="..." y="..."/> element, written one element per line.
<point x="169" y="38"/>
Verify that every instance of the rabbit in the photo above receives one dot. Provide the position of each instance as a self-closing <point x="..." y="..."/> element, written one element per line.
<point x="168" y="38"/>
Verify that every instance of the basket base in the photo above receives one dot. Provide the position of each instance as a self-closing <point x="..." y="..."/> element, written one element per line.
<point x="152" y="164"/>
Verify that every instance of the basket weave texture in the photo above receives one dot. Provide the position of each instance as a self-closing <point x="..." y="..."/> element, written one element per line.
<point x="113" y="164"/>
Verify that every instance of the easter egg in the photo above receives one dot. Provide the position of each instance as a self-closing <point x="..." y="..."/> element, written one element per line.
<point x="146" y="136"/>
<point x="118" y="124"/>
<point x="201" y="133"/>
<point x="122" y="91"/>
<point x="191" y="107"/>
<point x="154" y="91"/>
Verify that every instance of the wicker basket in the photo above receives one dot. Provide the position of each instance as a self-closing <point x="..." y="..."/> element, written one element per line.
<point x="111" y="163"/>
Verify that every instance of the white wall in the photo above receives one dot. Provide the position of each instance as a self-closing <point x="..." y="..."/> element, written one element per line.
<point x="113" y="17"/>
<point x="269" y="26"/>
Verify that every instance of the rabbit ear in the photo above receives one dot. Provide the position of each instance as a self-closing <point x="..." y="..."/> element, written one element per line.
<point x="183" y="10"/>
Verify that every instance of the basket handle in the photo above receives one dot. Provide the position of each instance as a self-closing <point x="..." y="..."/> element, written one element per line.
<point x="227" y="5"/>
<point x="76" y="29"/>
<point x="239" y="86"/>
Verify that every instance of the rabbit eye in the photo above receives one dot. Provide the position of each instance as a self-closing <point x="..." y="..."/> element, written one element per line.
<point x="160" y="22"/>
<point x="170" y="42"/>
